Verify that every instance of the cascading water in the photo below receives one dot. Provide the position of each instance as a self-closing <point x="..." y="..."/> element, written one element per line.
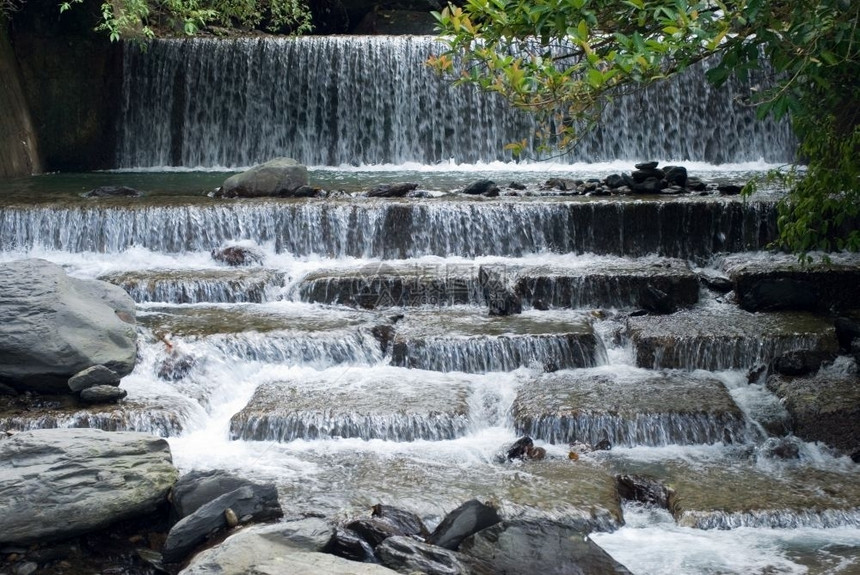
<point x="356" y="363"/>
<point x="371" y="100"/>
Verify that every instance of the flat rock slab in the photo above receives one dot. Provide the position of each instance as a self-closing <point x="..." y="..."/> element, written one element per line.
<point x="199" y="286"/>
<point x="369" y="404"/>
<point x="601" y="282"/>
<point x="461" y="339"/>
<point x="725" y="337"/>
<point x="88" y="478"/>
<point x="161" y="418"/>
<point x="726" y="493"/>
<point x="779" y="281"/>
<point x="53" y="326"/>
<point x="824" y="407"/>
<point x="628" y="407"/>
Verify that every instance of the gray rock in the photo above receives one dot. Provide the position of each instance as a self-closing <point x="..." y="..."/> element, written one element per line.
<point x="397" y="190"/>
<point x="236" y="256"/>
<point x="197" y="488"/>
<point x="467" y="519"/>
<point x="52" y="326"/>
<point x="532" y="547"/>
<point x="103" y="394"/>
<point x="280" y="177"/>
<point x="642" y="489"/>
<point x="248" y="503"/>
<point x="406" y="522"/>
<point x="57" y="483"/>
<point x="406" y="555"/>
<point x="275" y="550"/>
<point x="92" y="376"/>
<point x="113" y="192"/>
<point x="350" y="545"/>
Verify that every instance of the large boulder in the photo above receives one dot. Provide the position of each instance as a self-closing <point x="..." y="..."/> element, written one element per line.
<point x="58" y="483"/>
<point x="533" y="547"/>
<point x="281" y="177"/>
<point x="469" y="518"/>
<point x="53" y="326"/>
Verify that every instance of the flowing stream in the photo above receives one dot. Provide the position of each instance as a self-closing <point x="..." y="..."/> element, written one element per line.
<point x="355" y="362"/>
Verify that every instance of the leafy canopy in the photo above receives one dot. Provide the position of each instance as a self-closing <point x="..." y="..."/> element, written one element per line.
<point x="565" y="59"/>
<point x="138" y="19"/>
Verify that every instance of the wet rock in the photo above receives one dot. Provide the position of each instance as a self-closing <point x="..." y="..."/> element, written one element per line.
<point x="247" y="503"/>
<point x="103" y="394"/>
<point x="514" y="548"/>
<point x="676" y="175"/>
<point x="517" y="186"/>
<point x="52" y="326"/>
<point x="561" y="184"/>
<point x="6" y="390"/>
<point x="643" y="490"/>
<point x="280" y="177"/>
<point x="87" y="477"/>
<point x="507" y="303"/>
<point x="646" y="165"/>
<point x="824" y="407"/>
<point x="397" y="190"/>
<point x="780" y="448"/>
<point x="197" y="488"/>
<point x="641" y="176"/>
<point x="176" y="366"/>
<point x="657" y="301"/>
<point x="716" y="282"/>
<point x="779" y="294"/>
<point x="520" y="448"/>
<point x="501" y="297"/>
<point x="384" y="334"/>
<point x="237" y="256"/>
<point x="603" y="445"/>
<point x="374" y="530"/>
<point x="847" y="332"/>
<point x="614" y="181"/>
<point x="113" y="192"/>
<point x="406" y="555"/>
<point x="350" y="545"/>
<point x="481" y="187"/>
<point x="92" y="376"/>
<point x="464" y="521"/>
<point x="696" y="185"/>
<point x="406" y="522"/>
<point x="757" y="374"/>
<point x="801" y="362"/>
<point x="729" y="189"/>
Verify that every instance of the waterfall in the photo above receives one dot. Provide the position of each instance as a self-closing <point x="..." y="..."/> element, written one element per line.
<point x="371" y="100"/>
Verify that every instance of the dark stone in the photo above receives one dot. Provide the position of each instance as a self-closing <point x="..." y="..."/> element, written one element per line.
<point x="406" y="522"/>
<point x="349" y="545"/>
<point x="540" y="305"/>
<point x="481" y="187"/>
<point x="506" y="304"/>
<point x="718" y="283"/>
<point x="406" y="555"/>
<point x="729" y="189"/>
<point x="646" y="165"/>
<point x="384" y="334"/>
<point x="6" y="390"/>
<point x="561" y="184"/>
<point x="614" y="181"/>
<point x="642" y="489"/>
<point x="656" y="301"/>
<point x="305" y="192"/>
<point x="176" y="366"/>
<point x="517" y="186"/>
<point x="520" y="447"/>
<point x="113" y="192"/>
<point x="696" y="185"/>
<point x="780" y="448"/>
<point x="533" y="547"/>
<point x="651" y="185"/>
<point x="847" y="331"/>
<point x="237" y="256"/>
<point x="248" y="503"/>
<point x="672" y="190"/>
<point x="392" y="190"/>
<point x="801" y="362"/>
<point x="676" y="175"/>
<point x="197" y="488"/>
<point x="603" y="445"/>
<point x="779" y="294"/>
<point x="373" y="530"/>
<point x="464" y="521"/>
<point x="501" y="298"/>
<point x="757" y="374"/>
<point x="103" y="394"/>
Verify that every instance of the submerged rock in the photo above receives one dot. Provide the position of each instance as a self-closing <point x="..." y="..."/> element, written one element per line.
<point x="57" y="483"/>
<point x="53" y="326"/>
<point x="237" y="256"/>
<point x="281" y="177"/>
<point x="113" y="192"/>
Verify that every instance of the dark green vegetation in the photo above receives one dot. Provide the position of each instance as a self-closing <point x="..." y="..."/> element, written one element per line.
<point x="565" y="59"/>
